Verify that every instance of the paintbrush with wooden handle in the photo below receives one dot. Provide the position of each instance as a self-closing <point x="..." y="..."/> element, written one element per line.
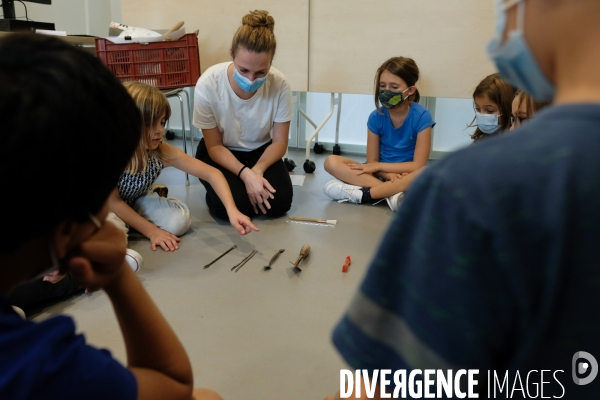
<point x="315" y="220"/>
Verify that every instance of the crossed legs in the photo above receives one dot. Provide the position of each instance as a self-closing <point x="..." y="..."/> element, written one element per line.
<point x="338" y="167"/>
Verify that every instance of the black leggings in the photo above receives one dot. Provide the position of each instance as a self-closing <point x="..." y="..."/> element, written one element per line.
<point x="277" y="175"/>
<point x="39" y="290"/>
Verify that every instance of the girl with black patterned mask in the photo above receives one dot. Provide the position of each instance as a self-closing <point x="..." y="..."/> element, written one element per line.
<point x="398" y="141"/>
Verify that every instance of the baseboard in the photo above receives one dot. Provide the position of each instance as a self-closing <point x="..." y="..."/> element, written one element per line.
<point x="351" y="149"/>
<point x="179" y="134"/>
<point x="438" y="155"/>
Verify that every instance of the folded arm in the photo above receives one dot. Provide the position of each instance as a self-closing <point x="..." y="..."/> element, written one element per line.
<point x="388" y="170"/>
<point x="276" y="149"/>
<point x="155" y="355"/>
<point x="258" y="188"/>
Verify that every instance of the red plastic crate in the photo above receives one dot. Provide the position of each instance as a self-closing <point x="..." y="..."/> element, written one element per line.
<point x="166" y="65"/>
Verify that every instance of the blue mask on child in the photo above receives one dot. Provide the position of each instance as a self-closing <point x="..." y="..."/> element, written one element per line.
<point x="514" y="59"/>
<point x="487" y="123"/>
<point x="246" y="84"/>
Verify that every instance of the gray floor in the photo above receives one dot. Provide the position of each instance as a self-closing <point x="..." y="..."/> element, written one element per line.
<point x="253" y="334"/>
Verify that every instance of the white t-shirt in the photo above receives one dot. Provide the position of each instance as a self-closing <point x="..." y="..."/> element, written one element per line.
<point x="244" y="124"/>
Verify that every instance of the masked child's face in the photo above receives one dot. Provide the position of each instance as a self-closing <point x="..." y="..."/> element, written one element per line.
<point x="484" y="105"/>
<point x="391" y="82"/>
<point x="156" y="133"/>
<point x="519" y="112"/>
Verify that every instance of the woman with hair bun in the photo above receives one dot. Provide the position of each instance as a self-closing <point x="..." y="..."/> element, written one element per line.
<point x="243" y="108"/>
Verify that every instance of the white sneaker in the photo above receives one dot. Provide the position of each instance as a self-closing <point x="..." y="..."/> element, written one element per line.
<point x="341" y="191"/>
<point x="19" y="311"/>
<point x="395" y="200"/>
<point x="134" y="259"/>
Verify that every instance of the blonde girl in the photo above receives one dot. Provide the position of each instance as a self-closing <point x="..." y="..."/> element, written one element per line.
<point x="162" y="219"/>
<point x="523" y="108"/>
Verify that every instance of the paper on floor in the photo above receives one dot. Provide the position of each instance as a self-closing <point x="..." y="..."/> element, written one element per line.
<point x="297" y="180"/>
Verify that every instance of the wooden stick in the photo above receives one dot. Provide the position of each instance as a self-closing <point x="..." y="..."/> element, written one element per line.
<point x="173" y="29"/>
<point x="319" y="221"/>
<point x="306" y="219"/>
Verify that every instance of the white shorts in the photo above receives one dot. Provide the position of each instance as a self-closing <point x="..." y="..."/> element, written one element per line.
<point x="168" y="213"/>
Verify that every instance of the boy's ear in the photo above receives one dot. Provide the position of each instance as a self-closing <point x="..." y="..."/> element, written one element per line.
<point x="231" y="53"/>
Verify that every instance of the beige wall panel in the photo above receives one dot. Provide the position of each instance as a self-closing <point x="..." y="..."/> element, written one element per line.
<point x="350" y="39"/>
<point x="218" y="20"/>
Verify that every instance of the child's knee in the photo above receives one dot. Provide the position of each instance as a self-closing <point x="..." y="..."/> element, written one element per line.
<point x="178" y="222"/>
<point x="169" y="214"/>
<point x="177" y="225"/>
<point x="330" y="163"/>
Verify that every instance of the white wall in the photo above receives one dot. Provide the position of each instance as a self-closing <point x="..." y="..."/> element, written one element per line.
<point x="76" y="17"/>
<point x="175" y="120"/>
<point x="452" y="117"/>
<point x="336" y="45"/>
<point x="217" y="21"/>
<point x="115" y="10"/>
<point x="93" y="16"/>
<point x="67" y="15"/>
<point x="353" y="120"/>
<point x="98" y="16"/>
<point x="349" y="39"/>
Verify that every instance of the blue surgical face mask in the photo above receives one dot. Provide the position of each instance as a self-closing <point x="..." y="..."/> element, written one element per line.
<point x="514" y="59"/>
<point x="246" y="84"/>
<point x="487" y="123"/>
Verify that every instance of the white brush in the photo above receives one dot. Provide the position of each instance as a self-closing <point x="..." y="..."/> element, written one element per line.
<point x="318" y="221"/>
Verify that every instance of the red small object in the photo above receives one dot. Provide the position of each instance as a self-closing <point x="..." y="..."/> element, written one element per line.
<point x="346" y="264"/>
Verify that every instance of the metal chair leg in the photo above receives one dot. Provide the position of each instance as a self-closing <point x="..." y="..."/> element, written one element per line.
<point x="187" y="177"/>
<point x="177" y="92"/>
<point x="190" y="113"/>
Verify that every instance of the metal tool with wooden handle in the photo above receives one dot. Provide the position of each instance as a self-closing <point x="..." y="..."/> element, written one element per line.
<point x="268" y="267"/>
<point x="175" y="27"/>
<point x="244" y="261"/>
<point x="221" y="256"/>
<point x="304" y="252"/>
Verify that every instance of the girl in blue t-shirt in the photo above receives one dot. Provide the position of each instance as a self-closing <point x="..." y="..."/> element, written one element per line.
<point x="398" y="142"/>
